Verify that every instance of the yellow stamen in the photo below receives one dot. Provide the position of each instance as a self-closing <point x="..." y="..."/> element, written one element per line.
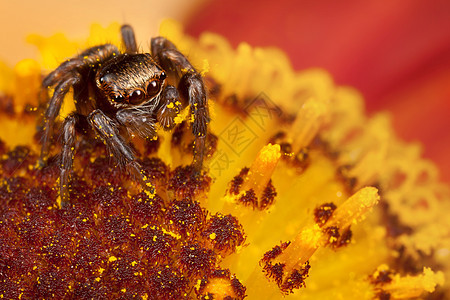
<point x="308" y="122"/>
<point x="408" y="287"/>
<point x="262" y="169"/>
<point x="354" y="209"/>
<point x="283" y="262"/>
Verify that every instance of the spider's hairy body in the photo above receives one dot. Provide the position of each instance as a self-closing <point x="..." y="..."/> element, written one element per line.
<point x="118" y="93"/>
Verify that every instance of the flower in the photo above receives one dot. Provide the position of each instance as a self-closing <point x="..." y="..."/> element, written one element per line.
<point x="302" y="195"/>
<point x="396" y="55"/>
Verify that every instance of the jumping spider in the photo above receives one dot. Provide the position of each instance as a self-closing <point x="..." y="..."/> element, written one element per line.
<point x="121" y="94"/>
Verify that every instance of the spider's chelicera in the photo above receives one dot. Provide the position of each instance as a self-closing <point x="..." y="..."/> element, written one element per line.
<point x="118" y="92"/>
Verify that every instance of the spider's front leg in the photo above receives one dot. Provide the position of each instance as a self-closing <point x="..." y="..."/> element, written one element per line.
<point x="108" y="131"/>
<point x="192" y="89"/>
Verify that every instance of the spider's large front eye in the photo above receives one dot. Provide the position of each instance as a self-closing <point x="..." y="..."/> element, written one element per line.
<point x="153" y="88"/>
<point x="136" y="97"/>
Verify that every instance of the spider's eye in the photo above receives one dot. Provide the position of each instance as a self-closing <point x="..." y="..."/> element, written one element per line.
<point x="153" y="88"/>
<point x="118" y="98"/>
<point x="162" y="76"/>
<point x="136" y="97"/>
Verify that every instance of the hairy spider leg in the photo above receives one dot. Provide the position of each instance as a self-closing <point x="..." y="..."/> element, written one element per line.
<point x="129" y="39"/>
<point x="53" y="111"/>
<point x="67" y="154"/>
<point x="192" y="89"/>
<point x="108" y="131"/>
<point x="67" y="75"/>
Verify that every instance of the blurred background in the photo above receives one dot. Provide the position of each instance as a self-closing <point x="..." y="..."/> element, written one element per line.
<point x="397" y="53"/>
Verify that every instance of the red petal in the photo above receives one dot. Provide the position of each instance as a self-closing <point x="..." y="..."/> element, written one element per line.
<point x="396" y="53"/>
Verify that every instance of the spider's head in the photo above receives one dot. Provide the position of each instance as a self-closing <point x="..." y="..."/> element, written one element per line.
<point x="130" y="80"/>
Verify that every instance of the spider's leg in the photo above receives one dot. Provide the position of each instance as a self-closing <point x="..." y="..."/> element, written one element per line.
<point x="107" y="129"/>
<point x="53" y="110"/>
<point x="67" y="153"/>
<point x="67" y="75"/>
<point x="158" y="44"/>
<point x="191" y="85"/>
<point x="129" y="39"/>
<point x="170" y="107"/>
<point x="89" y="58"/>
<point x="192" y="89"/>
<point x="63" y="72"/>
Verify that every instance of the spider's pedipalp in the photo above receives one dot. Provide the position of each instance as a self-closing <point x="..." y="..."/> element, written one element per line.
<point x="171" y="108"/>
<point x="137" y="121"/>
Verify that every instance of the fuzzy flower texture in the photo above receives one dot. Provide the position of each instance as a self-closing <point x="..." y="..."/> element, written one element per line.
<point x="302" y="195"/>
